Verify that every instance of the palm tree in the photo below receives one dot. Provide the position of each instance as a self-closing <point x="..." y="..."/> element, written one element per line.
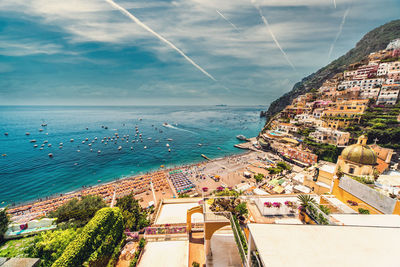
<point x="306" y="200"/>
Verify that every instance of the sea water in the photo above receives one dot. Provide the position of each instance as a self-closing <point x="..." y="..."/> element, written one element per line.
<point x="28" y="173"/>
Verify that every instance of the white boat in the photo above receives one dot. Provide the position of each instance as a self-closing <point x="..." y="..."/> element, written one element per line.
<point x="95" y="138"/>
<point x="167" y="145"/>
<point x="87" y="139"/>
<point x="27" y="133"/>
<point x="42" y="145"/>
<point x="199" y="144"/>
<point x="41" y="148"/>
<point x="83" y="142"/>
<point x="61" y="144"/>
<point x="120" y="147"/>
<point x="169" y="150"/>
<point x="165" y="124"/>
<point x="145" y="147"/>
<point x="89" y="144"/>
<point x="169" y="139"/>
<point x="149" y="138"/>
<point x="45" y="142"/>
<point x="40" y="130"/>
<point x="50" y="155"/>
<point x="33" y="141"/>
<point x="98" y="151"/>
<point x="35" y="146"/>
<point x="131" y="147"/>
<point x="78" y="150"/>
<point x="49" y="145"/>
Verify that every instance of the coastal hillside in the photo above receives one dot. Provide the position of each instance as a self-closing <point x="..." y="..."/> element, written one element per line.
<point x="375" y="40"/>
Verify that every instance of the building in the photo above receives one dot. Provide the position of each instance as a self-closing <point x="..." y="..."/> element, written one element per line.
<point x="299" y="156"/>
<point x="370" y="93"/>
<point x="358" y="159"/>
<point x="329" y="136"/>
<point x="318" y="245"/>
<point x="287" y="127"/>
<point x="383" y="69"/>
<point x="389" y="94"/>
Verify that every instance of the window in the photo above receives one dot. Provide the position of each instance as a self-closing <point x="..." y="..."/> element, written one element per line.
<point x="351" y="170"/>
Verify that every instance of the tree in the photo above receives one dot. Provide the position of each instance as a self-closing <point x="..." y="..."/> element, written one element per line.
<point x="339" y="172"/>
<point x="241" y="209"/>
<point x="49" y="246"/>
<point x="306" y="200"/>
<point x="79" y="212"/>
<point x="135" y="217"/>
<point x="259" y="177"/>
<point x="4" y="221"/>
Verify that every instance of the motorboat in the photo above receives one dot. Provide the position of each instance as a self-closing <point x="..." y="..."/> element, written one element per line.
<point x="50" y="155"/>
<point x="241" y="137"/>
<point x="33" y="141"/>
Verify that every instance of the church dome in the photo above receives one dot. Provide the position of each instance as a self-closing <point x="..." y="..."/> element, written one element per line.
<point x="360" y="153"/>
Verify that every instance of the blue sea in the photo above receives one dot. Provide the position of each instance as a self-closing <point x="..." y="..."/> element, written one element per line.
<point x="28" y="173"/>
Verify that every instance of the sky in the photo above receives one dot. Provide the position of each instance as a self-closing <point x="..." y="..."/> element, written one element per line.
<point x="180" y="52"/>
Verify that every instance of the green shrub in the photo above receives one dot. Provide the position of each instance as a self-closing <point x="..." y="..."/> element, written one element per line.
<point x="4" y="221"/>
<point x="363" y="211"/>
<point x="100" y="233"/>
<point x="49" y="246"/>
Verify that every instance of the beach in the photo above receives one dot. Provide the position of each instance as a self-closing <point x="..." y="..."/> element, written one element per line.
<point x="211" y="174"/>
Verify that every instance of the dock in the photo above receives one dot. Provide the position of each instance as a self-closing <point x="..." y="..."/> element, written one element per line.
<point x="248" y="145"/>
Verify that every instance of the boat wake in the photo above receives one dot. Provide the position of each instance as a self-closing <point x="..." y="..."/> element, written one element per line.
<point x="176" y="128"/>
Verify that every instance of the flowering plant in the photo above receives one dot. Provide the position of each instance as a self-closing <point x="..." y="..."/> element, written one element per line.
<point x="268" y="204"/>
<point x="352" y="203"/>
<point x="290" y="204"/>
<point x="220" y="188"/>
<point x="276" y="204"/>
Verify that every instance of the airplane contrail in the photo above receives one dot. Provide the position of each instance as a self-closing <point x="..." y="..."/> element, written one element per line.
<point x="339" y="32"/>
<point x="273" y="36"/>
<point x="227" y="20"/>
<point x="147" y="28"/>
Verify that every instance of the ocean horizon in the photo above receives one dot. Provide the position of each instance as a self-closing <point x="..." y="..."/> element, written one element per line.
<point x="28" y="173"/>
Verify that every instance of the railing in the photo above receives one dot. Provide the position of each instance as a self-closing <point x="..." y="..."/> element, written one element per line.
<point x="318" y="215"/>
<point x="255" y="260"/>
<point x="240" y="239"/>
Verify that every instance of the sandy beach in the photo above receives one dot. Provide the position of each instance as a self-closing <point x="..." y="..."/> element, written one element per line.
<point x="228" y="169"/>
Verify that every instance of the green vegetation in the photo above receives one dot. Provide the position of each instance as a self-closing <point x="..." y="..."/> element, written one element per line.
<point x="363" y="180"/>
<point x="4" y="221"/>
<point x="239" y="237"/>
<point x="280" y="167"/>
<point x="95" y="241"/>
<point x="48" y="246"/>
<point x="135" y="218"/>
<point x="226" y="193"/>
<point x="134" y="261"/>
<point x="76" y="212"/>
<point x="375" y="40"/>
<point x="323" y="151"/>
<point x="325" y="209"/>
<point x="363" y="211"/>
<point x="305" y="131"/>
<point x="241" y="209"/>
<point x="16" y="247"/>
<point x="259" y="177"/>
<point x="195" y="264"/>
<point x="380" y="122"/>
<point x="183" y="196"/>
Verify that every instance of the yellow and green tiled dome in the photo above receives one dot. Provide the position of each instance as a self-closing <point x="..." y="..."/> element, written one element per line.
<point x="360" y="153"/>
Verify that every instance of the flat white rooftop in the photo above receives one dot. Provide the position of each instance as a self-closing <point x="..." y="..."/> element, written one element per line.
<point x="165" y="254"/>
<point x="176" y="213"/>
<point x="382" y="220"/>
<point x="317" y="245"/>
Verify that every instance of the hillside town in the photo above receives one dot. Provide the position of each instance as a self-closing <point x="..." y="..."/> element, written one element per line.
<point x="319" y="186"/>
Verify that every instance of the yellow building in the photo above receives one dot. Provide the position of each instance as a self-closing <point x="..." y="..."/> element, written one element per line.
<point x="358" y="159"/>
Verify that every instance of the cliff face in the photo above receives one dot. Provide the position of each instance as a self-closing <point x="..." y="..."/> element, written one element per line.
<point x="375" y="40"/>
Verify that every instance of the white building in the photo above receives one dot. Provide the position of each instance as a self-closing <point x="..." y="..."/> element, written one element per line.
<point x="389" y="94"/>
<point x="383" y="69"/>
<point x="370" y="93"/>
<point x="330" y="136"/>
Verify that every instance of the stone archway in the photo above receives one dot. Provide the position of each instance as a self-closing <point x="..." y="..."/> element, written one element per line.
<point x="190" y="212"/>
